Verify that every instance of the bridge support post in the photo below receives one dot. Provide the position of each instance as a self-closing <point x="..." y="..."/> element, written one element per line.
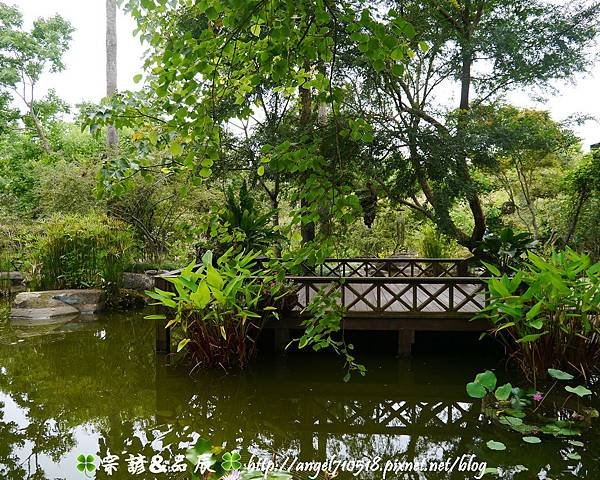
<point x="282" y="338"/>
<point x="406" y="338"/>
<point x="163" y="338"/>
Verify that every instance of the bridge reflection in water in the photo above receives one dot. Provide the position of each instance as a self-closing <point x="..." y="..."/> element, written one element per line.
<point x="388" y="414"/>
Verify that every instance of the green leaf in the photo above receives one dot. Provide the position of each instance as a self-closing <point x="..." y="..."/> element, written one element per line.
<point x="531" y="440"/>
<point x="255" y="30"/>
<point x="503" y="392"/>
<point x="531" y="338"/>
<point x="492" y="269"/>
<point x="493" y="445"/>
<point x="579" y="390"/>
<point x="175" y="148"/>
<point x="261" y="170"/>
<point x="137" y="78"/>
<point x="476" y="390"/>
<point x="155" y="317"/>
<point x="573" y="456"/>
<point x="397" y="54"/>
<point x="559" y="374"/>
<point x="487" y="379"/>
<point x="214" y="277"/>
<point x="533" y="311"/>
<point x="182" y="344"/>
<point x="201" y="297"/>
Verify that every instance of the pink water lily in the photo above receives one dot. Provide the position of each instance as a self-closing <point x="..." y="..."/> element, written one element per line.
<point x="537" y="396"/>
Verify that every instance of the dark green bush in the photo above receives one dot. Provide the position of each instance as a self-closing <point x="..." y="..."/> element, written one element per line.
<point x="77" y="251"/>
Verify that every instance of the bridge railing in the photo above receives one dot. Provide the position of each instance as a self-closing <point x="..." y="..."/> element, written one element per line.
<point x="367" y="267"/>
<point x="395" y="296"/>
<point x="393" y="267"/>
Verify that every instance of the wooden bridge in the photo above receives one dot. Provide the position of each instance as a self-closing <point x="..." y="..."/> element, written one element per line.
<point x="392" y="294"/>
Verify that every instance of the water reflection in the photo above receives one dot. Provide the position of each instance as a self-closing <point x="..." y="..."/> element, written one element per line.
<point x="96" y="387"/>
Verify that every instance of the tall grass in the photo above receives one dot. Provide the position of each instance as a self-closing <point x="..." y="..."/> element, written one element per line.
<point x="81" y="251"/>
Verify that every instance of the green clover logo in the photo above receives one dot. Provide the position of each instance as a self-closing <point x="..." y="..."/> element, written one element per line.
<point x="85" y="463"/>
<point x="231" y="461"/>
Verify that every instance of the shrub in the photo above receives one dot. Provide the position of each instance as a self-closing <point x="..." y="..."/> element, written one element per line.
<point x="81" y="252"/>
<point x="433" y="244"/>
<point x="548" y="313"/>
<point x="506" y="249"/>
<point x="243" y="224"/>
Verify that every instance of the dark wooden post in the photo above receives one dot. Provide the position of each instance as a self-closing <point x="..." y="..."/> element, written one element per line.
<point x="406" y="338"/>
<point x="163" y="335"/>
<point x="163" y="338"/>
<point x="282" y="338"/>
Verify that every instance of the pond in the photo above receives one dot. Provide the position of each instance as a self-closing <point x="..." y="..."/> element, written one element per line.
<point x="95" y="387"/>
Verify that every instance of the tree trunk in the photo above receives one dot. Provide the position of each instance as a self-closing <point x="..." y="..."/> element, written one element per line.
<point x="583" y="196"/>
<point x="112" y="138"/>
<point x="471" y="195"/>
<point x="40" y="130"/>
<point x="307" y="230"/>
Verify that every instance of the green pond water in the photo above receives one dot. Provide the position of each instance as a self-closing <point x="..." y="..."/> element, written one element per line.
<point x="95" y="386"/>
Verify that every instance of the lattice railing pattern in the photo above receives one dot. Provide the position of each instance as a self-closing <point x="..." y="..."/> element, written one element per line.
<point x="391" y="267"/>
<point x="384" y="295"/>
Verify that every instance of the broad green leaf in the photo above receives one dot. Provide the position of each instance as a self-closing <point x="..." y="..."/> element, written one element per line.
<point x="531" y="439"/>
<point x="559" y="374"/>
<point x="476" y="390"/>
<point x="492" y="269"/>
<point x="214" y="277"/>
<point x="487" y="379"/>
<point x="503" y="393"/>
<point x="201" y="297"/>
<point x="579" y="390"/>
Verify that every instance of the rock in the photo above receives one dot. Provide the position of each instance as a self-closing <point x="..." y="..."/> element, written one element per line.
<point x="138" y="281"/>
<point x="37" y="307"/>
<point x="14" y="277"/>
<point x="52" y="304"/>
<point x="86" y="301"/>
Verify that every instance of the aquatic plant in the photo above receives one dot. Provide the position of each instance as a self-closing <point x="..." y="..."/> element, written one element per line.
<point x="522" y="410"/>
<point x="547" y="314"/>
<point x="220" y="310"/>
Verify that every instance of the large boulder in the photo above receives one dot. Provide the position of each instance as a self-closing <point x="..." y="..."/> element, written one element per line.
<point x="54" y="304"/>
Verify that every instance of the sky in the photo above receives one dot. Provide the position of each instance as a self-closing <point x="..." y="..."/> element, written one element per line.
<point x="84" y="76"/>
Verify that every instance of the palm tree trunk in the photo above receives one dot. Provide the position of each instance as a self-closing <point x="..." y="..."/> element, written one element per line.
<point x="112" y="138"/>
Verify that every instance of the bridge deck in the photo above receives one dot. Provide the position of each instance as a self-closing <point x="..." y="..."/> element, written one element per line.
<point x="404" y="295"/>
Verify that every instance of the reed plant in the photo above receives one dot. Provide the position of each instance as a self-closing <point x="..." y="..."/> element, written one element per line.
<point x="81" y="251"/>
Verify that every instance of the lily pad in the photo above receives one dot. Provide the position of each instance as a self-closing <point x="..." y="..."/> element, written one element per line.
<point x="487" y="379"/>
<point x="559" y="374"/>
<point x="503" y="392"/>
<point x="579" y="390"/>
<point x="532" y="440"/>
<point x="573" y="456"/>
<point x="494" y="445"/>
<point x="475" y="390"/>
